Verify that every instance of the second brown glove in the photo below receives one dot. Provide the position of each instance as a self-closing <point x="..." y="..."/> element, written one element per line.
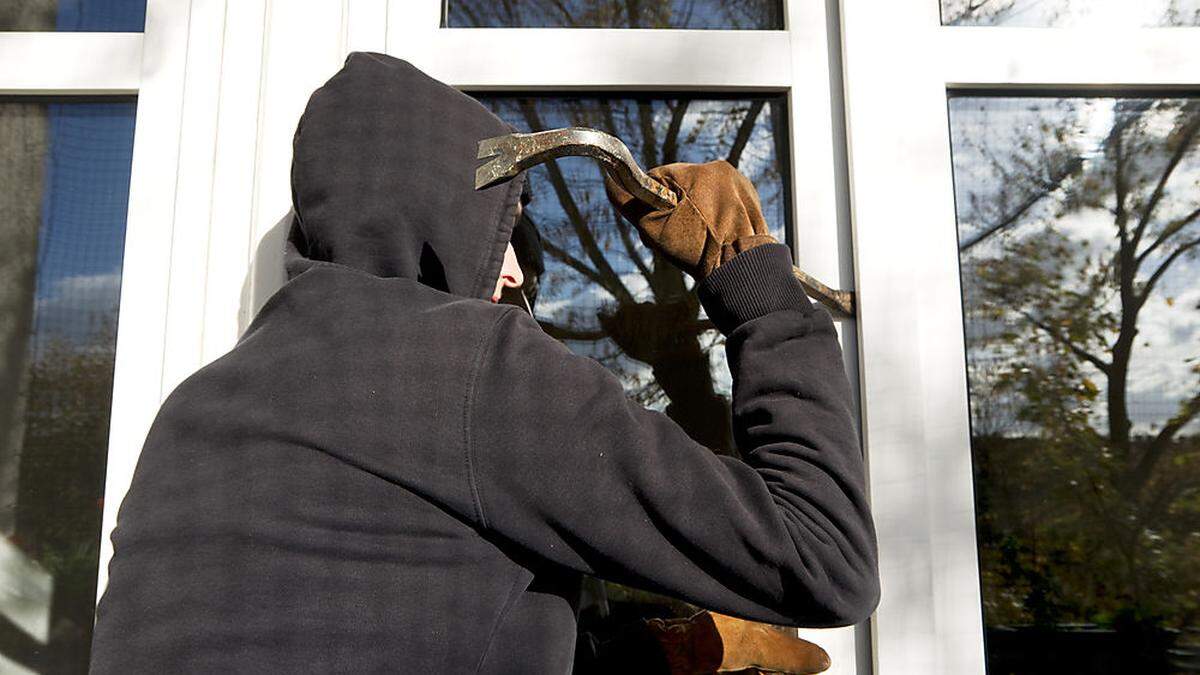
<point x="707" y="642"/>
<point x="717" y="217"/>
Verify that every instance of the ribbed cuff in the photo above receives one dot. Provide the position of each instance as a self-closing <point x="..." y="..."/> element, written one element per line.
<point x="753" y="283"/>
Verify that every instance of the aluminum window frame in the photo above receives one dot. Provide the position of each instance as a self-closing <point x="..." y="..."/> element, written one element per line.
<point x="901" y="65"/>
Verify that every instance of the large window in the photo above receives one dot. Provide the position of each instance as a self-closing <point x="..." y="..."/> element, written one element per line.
<point x="711" y="14"/>
<point x="63" y="196"/>
<point x="220" y="86"/>
<point x="1071" y="13"/>
<point x="73" y="15"/>
<point x="604" y="292"/>
<point x="608" y="297"/>
<point x="1079" y="228"/>
<point x="959" y="491"/>
<point x="1027" y="257"/>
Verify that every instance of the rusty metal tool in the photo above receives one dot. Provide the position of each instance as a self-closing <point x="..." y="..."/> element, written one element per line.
<point x="513" y="153"/>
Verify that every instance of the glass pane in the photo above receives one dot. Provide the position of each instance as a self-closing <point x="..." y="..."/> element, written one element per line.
<point x="64" y="184"/>
<point x="724" y="14"/>
<point x="1079" y="235"/>
<point x="1071" y="13"/>
<point x="123" y="16"/>
<point x="608" y="297"/>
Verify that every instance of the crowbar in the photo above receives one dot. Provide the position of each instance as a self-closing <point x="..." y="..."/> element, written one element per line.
<point x="513" y="153"/>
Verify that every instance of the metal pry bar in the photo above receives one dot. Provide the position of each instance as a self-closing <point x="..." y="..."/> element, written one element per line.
<point x="513" y="153"/>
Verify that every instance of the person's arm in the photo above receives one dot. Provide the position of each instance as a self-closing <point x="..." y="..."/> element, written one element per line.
<point x="563" y="465"/>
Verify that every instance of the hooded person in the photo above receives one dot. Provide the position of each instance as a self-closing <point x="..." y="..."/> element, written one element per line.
<point x="388" y="472"/>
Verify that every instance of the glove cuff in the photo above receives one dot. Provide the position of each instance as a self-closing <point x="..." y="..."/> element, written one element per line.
<point x="690" y="645"/>
<point x="743" y="244"/>
<point x="753" y="283"/>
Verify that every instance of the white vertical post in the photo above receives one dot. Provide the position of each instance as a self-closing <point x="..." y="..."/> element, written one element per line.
<point x="141" y="330"/>
<point x="821" y="228"/>
<point x="302" y="51"/>
<point x="194" y="192"/>
<point x="247" y="31"/>
<point x="412" y="27"/>
<point x="913" y="361"/>
<point x="366" y="25"/>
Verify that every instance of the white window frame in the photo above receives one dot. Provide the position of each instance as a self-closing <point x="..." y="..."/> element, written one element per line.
<point x="222" y="84"/>
<point x="900" y="63"/>
<point x="77" y="64"/>
<point x="798" y="62"/>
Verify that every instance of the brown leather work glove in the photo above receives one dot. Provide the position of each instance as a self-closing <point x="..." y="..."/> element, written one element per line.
<point x="707" y="642"/>
<point x="718" y="215"/>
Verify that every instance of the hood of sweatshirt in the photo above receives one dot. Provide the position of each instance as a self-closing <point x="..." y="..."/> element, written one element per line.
<point x="383" y="174"/>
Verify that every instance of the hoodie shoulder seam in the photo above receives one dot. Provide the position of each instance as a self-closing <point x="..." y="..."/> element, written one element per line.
<point x="483" y="349"/>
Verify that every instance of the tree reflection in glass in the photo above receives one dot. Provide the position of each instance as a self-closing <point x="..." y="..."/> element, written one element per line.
<point x="692" y="14"/>
<point x="1071" y="13"/>
<point x="64" y="185"/>
<point x="73" y="15"/>
<point x="609" y="297"/>
<point x="1079" y="235"/>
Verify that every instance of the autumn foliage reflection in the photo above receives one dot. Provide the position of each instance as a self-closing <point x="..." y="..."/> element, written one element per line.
<point x="1079" y="234"/>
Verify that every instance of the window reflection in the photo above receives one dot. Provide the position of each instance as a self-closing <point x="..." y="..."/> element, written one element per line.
<point x="64" y="180"/>
<point x="73" y="15"/>
<point x="1079" y="235"/>
<point x="610" y="298"/>
<point x="1071" y="13"/>
<point x="694" y="14"/>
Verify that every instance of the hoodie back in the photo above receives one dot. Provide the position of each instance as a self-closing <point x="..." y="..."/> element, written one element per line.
<point x="388" y="473"/>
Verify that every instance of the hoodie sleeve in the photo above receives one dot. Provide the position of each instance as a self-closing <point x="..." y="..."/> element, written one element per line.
<point x="565" y="466"/>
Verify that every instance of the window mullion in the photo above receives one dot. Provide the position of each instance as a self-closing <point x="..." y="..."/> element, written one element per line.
<point x="1135" y="58"/>
<point x="70" y="63"/>
<point x="563" y="59"/>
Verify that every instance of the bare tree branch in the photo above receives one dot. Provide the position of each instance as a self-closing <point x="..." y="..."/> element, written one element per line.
<point x="1187" y="412"/>
<point x="743" y="132"/>
<point x="574" y="263"/>
<point x="579" y="224"/>
<point x="565" y="333"/>
<point x="1162" y="269"/>
<point x="1047" y="187"/>
<point x="670" y="150"/>
<point x="1186" y="135"/>
<point x="1065" y="341"/>
<point x="1121" y="192"/>
<point x="623" y="226"/>
<point x="566" y="13"/>
<point x="1162" y="441"/>
<point x="1168" y="231"/>
<point x="645" y="112"/>
<point x="971" y="8"/>
<point x="633" y="8"/>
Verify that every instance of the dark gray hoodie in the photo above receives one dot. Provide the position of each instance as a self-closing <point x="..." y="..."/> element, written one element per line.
<point x="390" y="473"/>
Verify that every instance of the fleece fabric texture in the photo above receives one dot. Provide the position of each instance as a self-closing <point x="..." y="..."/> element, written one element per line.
<point x="388" y="473"/>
